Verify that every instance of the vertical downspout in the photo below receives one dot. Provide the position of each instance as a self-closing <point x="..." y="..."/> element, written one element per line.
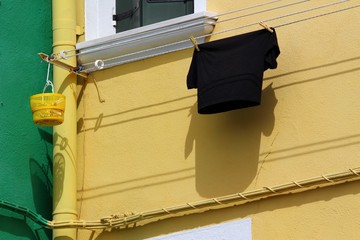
<point x="64" y="140"/>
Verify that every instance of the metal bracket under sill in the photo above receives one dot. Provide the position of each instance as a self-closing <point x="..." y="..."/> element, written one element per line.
<point x="58" y="63"/>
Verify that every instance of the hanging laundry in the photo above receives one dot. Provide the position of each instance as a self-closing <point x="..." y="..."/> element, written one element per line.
<point x="228" y="73"/>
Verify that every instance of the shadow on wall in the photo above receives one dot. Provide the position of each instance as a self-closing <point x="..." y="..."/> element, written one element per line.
<point x="42" y="188"/>
<point x="172" y="225"/>
<point x="16" y="227"/>
<point x="227" y="146"/>
<point x="59" y="166"/>
<point x="41" y="182"/>
<point x="41" y="179"/>
<point x="42" y="192"/>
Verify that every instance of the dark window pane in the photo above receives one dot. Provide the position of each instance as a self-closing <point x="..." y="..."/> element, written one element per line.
<point x="157" y="10"/>
<point x="128" y="14"/>
<point x="135" y="13"/>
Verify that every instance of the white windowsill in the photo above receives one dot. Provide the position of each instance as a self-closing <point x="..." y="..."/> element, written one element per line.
<point x="145" y="42"/>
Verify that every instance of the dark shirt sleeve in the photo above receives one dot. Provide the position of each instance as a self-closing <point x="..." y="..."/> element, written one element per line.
<point x="192" y="74"/>
<point x="272" y="52"/>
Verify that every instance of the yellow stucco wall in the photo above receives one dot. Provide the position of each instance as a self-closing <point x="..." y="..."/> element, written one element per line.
<point x="147" y="148"/>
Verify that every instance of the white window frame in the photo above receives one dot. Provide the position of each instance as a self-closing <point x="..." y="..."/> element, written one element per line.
<point x="104" y="48"/>
<point x="98" y="17"/>
<point x="238" y="229"/>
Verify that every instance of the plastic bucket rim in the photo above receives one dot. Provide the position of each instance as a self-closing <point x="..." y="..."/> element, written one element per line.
<point x="47" y="94"/>
<point x="38" y="96"/>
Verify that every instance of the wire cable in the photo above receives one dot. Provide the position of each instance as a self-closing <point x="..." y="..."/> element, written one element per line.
<point x="317" y="16"/>
<point x="118" y="221"/>
<point x="247" y="8"/>
<point x="219" y="32"/>
<point x="194" y="26"/>
<point x="94" y="68"/>
<point x="263" y="11"/>
<point x="64" y="54"/>
<point x="280" y="17"/>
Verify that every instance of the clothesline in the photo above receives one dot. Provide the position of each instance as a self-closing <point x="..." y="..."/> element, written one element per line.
<point x="224" y="31"/>
<point x="95" y="65"/>
<point x="262" y="11"/>
<point x="285" y="16"/>
<point x="212" y="17"/>
<point x="247" y="8"/>
<point x="66" y="55"/>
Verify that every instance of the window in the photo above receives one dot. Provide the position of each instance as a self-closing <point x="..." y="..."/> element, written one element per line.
<point x="100" y="20"/>
<point x="238" y="229"/>
<point x="143" y="36"/>
<point x="136" y="13"/>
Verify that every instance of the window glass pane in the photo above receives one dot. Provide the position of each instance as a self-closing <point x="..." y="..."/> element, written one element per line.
<point x="157" y="10"/>
<point x="128" y="14"/>
<point x="136" y="13"/>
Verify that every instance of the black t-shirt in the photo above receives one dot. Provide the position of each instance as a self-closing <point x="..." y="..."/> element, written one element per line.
<point x="228" y="73"/>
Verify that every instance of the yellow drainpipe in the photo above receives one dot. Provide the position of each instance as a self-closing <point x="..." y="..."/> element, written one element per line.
<point x="64" y="166"/>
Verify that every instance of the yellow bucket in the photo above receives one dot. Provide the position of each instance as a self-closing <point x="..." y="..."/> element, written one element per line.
<point x="48" y="108"/>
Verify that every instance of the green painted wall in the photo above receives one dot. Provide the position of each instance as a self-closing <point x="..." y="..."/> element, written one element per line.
<point x="26" y="150"/>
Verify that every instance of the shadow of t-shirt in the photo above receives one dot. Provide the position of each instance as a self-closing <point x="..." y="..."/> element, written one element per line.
<point x="227" y="146"/>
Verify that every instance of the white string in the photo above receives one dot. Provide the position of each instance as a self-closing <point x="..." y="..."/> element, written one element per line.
<point x="266" y="10"/>
<point x="48" y="82"/>
<point x="48" y="73"/>
<point x="170" y="44"/>
<point x="286" y="5"/>
<point x="275" y="18"/>
<point x="194" y="26"/>
<point x="224" y="31"/>
<point x="247" y="8"/>
<point x="207" y="35"/>
<point x="218" y="15"/>
<point x="317" y="16"/>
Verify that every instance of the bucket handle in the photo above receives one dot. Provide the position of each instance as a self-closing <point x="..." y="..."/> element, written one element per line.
<point x="48" y="82"/>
